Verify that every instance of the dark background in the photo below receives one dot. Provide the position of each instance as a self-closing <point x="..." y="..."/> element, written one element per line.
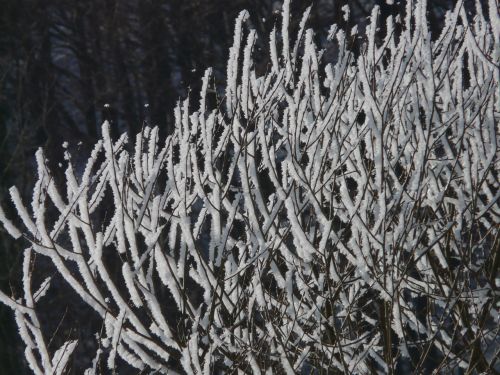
<point x="62" y="61"/>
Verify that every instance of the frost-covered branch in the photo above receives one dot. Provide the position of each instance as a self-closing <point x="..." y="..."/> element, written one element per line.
<point x="334" y="215"/>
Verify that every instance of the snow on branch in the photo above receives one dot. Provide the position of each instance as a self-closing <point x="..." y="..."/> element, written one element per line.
<point x="334" y="215"/>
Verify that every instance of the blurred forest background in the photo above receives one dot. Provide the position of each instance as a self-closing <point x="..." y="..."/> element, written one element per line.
<point x="65" y="66"/>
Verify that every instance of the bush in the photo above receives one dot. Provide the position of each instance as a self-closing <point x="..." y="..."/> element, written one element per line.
<point x="323" y="217"/>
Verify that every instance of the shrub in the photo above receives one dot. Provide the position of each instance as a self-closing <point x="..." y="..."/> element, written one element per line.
<point x="323" y="217"/>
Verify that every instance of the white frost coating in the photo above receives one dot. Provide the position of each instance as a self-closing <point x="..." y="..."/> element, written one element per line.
<point x="117" y="332"/>
<point x="285" y="19"/>
<point x="300" y="34"/>
<point x="21" y="210"/>
<point x="273" y="51"/>
<point x="128" y="276"/>
<point x="62" y="356"/>
<point x="232" y="65"/>
<point x="9" y="227"/>
<point x="246" y="98"/>
<point x="42" y="290"/>
<point x="322" y="209"/>
<point x="346" y="11"/>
